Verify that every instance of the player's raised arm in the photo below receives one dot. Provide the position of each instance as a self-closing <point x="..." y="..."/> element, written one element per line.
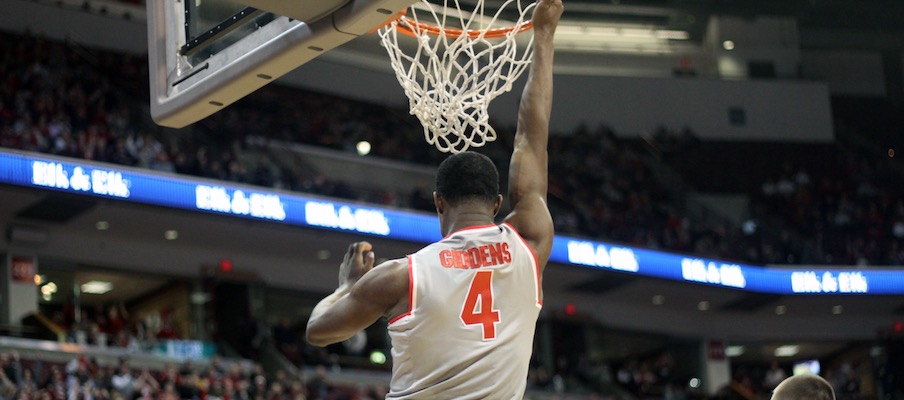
<point x="528" y="170"/>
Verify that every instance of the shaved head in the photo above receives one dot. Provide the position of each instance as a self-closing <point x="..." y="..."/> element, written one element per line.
<point x="804" y="387"/>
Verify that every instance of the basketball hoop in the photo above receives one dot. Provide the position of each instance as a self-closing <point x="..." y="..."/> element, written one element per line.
<point x="460" y="61"/>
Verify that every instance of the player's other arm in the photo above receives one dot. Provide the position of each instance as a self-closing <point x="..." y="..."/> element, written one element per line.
<point x="365" y="294"/>
<point x="528" y="170"/>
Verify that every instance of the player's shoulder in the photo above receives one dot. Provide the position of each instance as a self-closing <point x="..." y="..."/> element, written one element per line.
<point x="535" y="228"/>
<point x="394" y="266"/>
<point x="388" y="278"/>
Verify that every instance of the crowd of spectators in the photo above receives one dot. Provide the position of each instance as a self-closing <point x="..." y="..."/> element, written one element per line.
<point x="650" y="376"/>
<point x="84" y="378"/>
<point x="603" y="188"/>
<point x="853" y="214"/>
<point x="111" y="325"/>
<point x="63" y="99"/>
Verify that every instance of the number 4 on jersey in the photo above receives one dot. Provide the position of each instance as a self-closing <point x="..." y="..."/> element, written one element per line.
<point x="478" y="307"/>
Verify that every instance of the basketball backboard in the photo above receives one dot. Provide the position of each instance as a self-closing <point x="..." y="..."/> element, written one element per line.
<point x="206" y="54"/>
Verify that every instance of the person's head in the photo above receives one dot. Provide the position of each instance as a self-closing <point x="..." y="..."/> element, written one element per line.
<point x="804" y="387"/>
<point x="467" y="179"/>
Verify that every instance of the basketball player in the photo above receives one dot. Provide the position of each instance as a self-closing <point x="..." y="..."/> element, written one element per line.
<point x="462" y="311"/>
<point x="804" y="387"/>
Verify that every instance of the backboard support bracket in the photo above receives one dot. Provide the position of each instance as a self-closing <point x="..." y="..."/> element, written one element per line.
<point x="182" y="93"/>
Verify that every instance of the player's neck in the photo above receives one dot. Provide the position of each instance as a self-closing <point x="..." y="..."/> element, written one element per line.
<point x="458" y="219"/>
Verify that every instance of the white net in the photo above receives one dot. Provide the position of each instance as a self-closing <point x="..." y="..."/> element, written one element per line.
<point x="452" y="74"/>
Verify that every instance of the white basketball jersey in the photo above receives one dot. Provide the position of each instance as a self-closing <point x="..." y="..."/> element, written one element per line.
<point x="474" y="298"/>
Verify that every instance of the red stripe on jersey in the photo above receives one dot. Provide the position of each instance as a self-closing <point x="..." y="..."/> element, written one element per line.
<point x="410" y="292"/>
<point x="536" y="263"/>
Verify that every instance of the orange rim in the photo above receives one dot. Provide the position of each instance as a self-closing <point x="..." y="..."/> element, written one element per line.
<point x="395" y="17"/>
<point x="406" y="24"/>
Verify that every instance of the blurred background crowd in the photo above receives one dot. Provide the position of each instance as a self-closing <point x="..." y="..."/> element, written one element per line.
<point x="839" y="204"/>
